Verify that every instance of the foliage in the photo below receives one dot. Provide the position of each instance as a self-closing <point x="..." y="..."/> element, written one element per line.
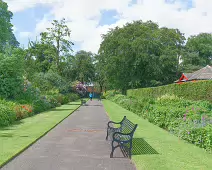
<point x="200" y="90"/>
<point x="41" y="105"/>
<point x="187" y="119"/>
<point x="58" y="34"/>
<point x="201" y="45"/>
<point x="23" y="111"/>
<point x="100" y="72"/>
<point x="139" y="55"/>
<point x="83" y="66"/>
<point x="40" y="57"/>
<point x="11" y="75"/>
<point x="51" y="81"/>
<point x="6" y="33"/>
<point x="7" y="113"/>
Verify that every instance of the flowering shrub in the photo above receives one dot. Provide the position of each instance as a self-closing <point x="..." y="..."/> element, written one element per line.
<point x="23" y="111"/>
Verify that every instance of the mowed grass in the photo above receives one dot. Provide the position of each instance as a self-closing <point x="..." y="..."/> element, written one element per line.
<point x="15" y="138"/>
<point x="156" y="149"/>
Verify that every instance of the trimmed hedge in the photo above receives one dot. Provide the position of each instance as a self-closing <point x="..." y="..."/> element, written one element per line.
<point x="200" y="90"/>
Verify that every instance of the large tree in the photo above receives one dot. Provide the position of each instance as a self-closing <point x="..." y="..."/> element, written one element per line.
<point x="141" y="54"/>
<point x="58" y="35"/>
<point x="6" y="28"/>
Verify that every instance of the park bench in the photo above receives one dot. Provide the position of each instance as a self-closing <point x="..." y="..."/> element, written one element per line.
<point x="83" y="102"/>
<point x="123" y="135"/>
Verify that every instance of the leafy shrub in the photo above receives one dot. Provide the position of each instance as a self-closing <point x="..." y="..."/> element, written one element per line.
<point x="7" y="113"/>
<point x="41" y="105"/>
<point x="28" y="96"/>
<point x="73" y="97"/>
<point x="53" y="101"/>
<point x="51" y="81"/>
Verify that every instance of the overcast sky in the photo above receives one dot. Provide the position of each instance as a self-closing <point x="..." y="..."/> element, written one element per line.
<point x="88" y="19"/>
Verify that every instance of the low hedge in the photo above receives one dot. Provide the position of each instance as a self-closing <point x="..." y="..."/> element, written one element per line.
<point x="189" y="120"/>
<point x="200" y="90"/>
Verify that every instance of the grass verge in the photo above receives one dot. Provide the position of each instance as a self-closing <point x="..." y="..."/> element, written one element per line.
<point x="156" y="149"/>
<point x="16" y="138"/>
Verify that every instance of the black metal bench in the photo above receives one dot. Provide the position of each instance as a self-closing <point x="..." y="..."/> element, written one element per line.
<point x="83" y="102"/>
<point x="123" y="135"/>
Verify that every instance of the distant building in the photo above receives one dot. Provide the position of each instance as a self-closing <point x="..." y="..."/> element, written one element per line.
<point x="202" y="74"/>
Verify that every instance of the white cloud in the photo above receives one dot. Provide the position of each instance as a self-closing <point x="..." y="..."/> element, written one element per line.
<point x="84" y="15"/>
<point x="15" y="29"/>
<point x="25" y="35"/>
<point x="19" y="5"/>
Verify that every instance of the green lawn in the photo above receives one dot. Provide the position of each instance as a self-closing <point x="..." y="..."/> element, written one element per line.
<point x="156" y="149"/>
<point x="15" y="138"/>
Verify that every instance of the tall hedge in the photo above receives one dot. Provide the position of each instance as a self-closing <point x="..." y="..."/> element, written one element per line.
<point x="200" y="90"/>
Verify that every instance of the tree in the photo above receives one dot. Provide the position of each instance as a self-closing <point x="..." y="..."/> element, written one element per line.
<point x="141" y="54"/>
<point x="199" y="50"/>
<point x="6" y="32"/>
<point x="58" y="35"/>
<point x="11" y="74"/>
<point x="100" y="73"/>
<point x="83" y="66"/>
<point x="41" y="55"/>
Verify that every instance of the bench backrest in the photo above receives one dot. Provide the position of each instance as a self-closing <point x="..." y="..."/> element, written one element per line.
<point x="127" y="126"/>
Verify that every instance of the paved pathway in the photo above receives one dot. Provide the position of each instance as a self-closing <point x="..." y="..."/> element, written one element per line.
<point x="67" y="147"/>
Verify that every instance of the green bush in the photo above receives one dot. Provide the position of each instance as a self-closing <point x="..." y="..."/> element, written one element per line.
<point x="201" y="90"/>
<point x="11" y="75"/>
<point x="41" y="105"/>
<point x="7" y="113"/>
<point x="58" y="99"/>
<point x="51" y="82"/>
<point x="28" y="96"/>
<point x="73" y="97"/>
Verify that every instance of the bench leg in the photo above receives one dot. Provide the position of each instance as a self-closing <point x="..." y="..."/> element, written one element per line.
<point x="107" y="135"/>
<point x="113" y="148"/>
<point x="130" y="150"/>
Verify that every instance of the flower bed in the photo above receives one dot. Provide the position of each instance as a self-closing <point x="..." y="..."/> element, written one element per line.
<point x="189" y="120"/>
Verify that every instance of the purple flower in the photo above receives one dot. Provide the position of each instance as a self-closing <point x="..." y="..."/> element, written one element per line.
<point x="184" y="118"/>
<point x="184" y="115"/>
<point x="188" y="133"/>
<point x="192" y="108"/>
<point x="203" y="118"/>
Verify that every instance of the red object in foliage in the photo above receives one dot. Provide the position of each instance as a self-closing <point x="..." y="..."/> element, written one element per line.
<point x="182" y="79"/>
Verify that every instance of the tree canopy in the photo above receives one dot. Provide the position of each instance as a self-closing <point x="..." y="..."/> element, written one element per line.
<point x="6" y="28"/>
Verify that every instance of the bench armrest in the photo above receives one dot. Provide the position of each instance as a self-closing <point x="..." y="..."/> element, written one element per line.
<point x="111" y="122"/>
